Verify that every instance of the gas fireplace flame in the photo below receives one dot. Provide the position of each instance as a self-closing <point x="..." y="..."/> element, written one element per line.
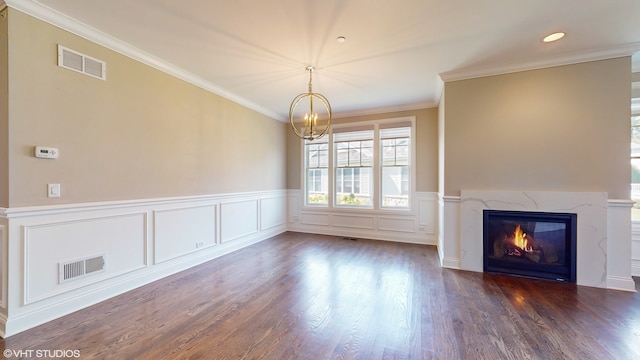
<point x="521" y="245"/>
<point x="520" y="240"/>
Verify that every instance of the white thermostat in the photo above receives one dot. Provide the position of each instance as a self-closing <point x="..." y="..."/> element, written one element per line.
<point x="46" y="152"/>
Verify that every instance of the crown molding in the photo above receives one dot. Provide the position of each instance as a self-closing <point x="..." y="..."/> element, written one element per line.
<point x="573" y="58"/>
<point x="64" y="22"/>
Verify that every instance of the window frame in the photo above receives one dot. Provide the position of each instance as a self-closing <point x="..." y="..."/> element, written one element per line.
<point x="351" y="165"/>
<point x="635" y="112"/>
<point x="376" y="175"/>
<point x="306" y="169"/>
<point x="408" y="166"/>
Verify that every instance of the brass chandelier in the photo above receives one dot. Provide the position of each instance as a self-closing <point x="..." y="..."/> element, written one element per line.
<point x="312" y="126"/>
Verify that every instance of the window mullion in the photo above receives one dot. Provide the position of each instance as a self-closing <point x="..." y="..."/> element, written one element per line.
<point x="377" y="174"/>
<point x="395" y="152"/>
<point x="331" y="171"/>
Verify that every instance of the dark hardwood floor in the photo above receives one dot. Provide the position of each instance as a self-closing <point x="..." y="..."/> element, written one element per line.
<point x="302" y="296"/>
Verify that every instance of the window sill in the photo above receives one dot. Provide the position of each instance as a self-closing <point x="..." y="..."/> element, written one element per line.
<point x="356" y="210"/>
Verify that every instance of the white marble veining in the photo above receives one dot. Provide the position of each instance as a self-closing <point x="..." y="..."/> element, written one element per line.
<point x="591" y="210"/>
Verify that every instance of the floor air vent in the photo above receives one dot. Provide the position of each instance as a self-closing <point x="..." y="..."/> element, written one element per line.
<point x="80" y="268"/>
<point x="73" y="60"/>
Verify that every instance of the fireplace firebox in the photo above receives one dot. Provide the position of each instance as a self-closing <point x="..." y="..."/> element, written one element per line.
<point x="533" y="244"/>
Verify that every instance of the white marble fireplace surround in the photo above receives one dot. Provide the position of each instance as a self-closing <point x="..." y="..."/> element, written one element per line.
<point x="603" y="230"/>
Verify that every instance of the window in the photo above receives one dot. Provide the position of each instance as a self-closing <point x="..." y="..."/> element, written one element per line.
<point x="366" y="165"/>
<point x="317" y="172"/>
<point x="353" y="167"/>
<point x="395" y="149"/>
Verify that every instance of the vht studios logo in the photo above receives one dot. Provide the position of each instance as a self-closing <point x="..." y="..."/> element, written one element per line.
<point x="62" y="354"/>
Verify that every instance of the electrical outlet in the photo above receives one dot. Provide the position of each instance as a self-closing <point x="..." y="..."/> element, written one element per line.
<point x="199" y="244"/>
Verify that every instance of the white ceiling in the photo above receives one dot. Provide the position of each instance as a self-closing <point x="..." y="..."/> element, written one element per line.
<point x="395" y="56"/>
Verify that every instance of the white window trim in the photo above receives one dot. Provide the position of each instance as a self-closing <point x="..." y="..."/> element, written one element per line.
<point x="303" y="175"/>
<point x="376" y="206"/>
<point x="371" y="178"/>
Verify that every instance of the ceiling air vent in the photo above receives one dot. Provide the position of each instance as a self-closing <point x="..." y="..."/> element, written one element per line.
<point x="80" y="268"/>
<point x="79" y="62"/>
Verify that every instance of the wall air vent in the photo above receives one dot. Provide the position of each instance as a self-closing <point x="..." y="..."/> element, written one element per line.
<point x="73" y="60"/>
<point x="75" y="269"/>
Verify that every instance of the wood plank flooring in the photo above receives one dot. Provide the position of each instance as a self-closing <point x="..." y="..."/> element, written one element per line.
<point x="302" y="296"/>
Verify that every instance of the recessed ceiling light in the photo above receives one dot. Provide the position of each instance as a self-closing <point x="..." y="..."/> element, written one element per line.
<point x="341" y="39"/>
<point x="553" y="37"/>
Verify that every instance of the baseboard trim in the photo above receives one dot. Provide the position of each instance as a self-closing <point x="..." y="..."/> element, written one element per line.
<point x="621" y="283"/>
<point x="451" y="263"/>
<point x="635" y="268"/>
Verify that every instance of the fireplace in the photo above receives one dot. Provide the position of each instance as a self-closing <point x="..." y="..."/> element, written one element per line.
<point x="533" y="244"/>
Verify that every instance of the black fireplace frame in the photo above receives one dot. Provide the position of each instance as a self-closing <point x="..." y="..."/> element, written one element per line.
<point x="565" y="273"/>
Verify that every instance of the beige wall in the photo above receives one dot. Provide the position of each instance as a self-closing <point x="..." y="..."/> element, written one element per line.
<point x="139" y="134"/>
<point x="426" y="148"/>
<point x="441" y="142"/>
<point x="145" y="134"/>
<point x="294" y="160"/>
<point x="557" y="129"/>
<point x="4" y="112"/>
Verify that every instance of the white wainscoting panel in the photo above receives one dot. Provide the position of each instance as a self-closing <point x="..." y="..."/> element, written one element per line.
<point x="395" y="223"/>
<point x="181" y="231"/>
<point x="238" y="219"/>
<point x="313" y="218"/>
<point x="354" y="221"/>
<point x="142" y="241"/>
<point x="635" y="249"/>
<point x="449" y="242"/>
<point x="427" y="210"/>
<point x="122" y="239"/>
<point x="619" y="245"/>
<point x="293" y="205"/>
<point x="272" y="212"/>
<point x="417" y="225"/>
<point x="3" y="266"/>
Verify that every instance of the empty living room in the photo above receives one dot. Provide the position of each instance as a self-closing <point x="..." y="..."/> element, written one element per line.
<point x="319" y="179"/>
